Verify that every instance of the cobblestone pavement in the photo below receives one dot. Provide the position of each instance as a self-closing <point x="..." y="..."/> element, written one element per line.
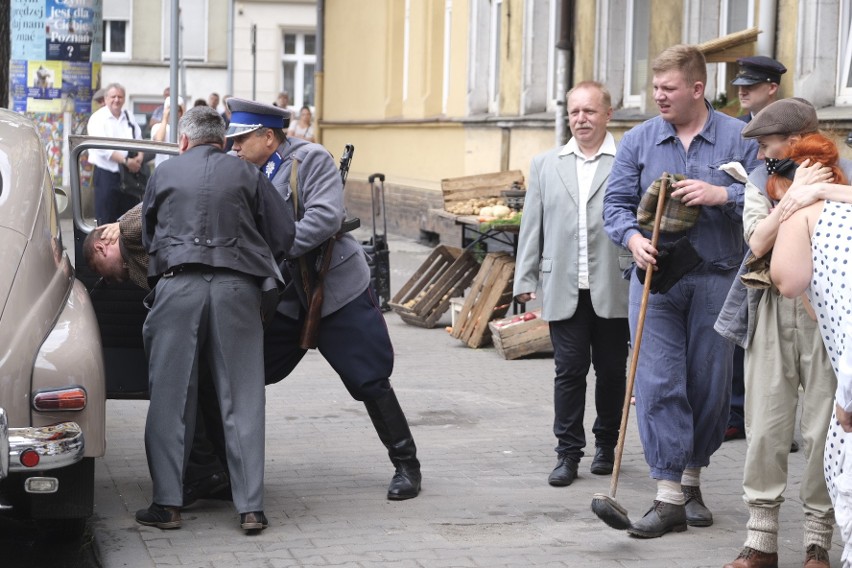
<point x="483" y="431"/>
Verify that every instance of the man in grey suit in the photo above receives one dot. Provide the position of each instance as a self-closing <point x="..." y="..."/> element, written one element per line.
<point x="585" y="295"/>
<point x="352" y="336"/>
<point x="213" y="227"/>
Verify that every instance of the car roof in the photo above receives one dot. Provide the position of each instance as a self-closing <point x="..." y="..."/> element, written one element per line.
<point x="22" y="171"/>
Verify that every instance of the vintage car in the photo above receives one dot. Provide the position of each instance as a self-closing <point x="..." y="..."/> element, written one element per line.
<point x="52" y="388"/>
<point x="68" y="341"/>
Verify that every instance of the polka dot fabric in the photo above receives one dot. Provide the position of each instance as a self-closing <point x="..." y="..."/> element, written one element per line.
<point x="831" y="296"/>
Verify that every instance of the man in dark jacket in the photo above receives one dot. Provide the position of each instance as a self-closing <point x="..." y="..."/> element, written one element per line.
<point x="211" y="226"/>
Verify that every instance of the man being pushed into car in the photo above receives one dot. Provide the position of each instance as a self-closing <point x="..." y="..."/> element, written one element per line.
<point x="206" y="226"/>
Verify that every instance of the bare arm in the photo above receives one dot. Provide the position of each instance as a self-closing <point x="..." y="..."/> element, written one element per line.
<point x="791" y="268"/>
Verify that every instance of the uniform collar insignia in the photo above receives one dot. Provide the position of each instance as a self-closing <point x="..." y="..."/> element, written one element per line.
<point x="271" y="167"/>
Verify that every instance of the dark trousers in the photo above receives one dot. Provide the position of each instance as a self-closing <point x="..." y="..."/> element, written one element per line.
<point x="355" y="342"/>
<point x="737" y="416"/>
<point x="578" y="342"/>
<point x="110" y="203"/>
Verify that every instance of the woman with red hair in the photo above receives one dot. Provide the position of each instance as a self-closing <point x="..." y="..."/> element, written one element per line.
<point x="785" y="352"/>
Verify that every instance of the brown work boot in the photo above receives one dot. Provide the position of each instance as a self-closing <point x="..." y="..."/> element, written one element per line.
<point x="751" y="558"/>
<point x="816" y="557"/>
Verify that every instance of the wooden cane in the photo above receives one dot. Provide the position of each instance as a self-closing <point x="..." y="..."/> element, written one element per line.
<point x="637" y="342"/>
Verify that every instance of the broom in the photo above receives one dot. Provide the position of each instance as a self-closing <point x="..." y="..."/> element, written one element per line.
<point x="605" y="506"/>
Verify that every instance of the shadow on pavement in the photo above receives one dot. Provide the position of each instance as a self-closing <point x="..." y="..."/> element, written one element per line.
<point x="25" y="544"/>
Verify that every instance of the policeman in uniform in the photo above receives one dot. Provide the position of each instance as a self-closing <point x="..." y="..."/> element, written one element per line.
<point x="757" y="81"/>
<point x="353" y="336"/>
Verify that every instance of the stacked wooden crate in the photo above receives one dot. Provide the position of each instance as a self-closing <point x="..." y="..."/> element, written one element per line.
<point x="445" y="274"/>
<point x="489" y="297"/>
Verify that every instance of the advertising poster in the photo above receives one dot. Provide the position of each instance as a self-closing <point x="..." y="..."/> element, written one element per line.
<point x="77" y="85"/>
<point x="44" y="86"/>
<point x="18" y="85"/>
<point x="27" y="29"/>
<point x="70" y="28"/>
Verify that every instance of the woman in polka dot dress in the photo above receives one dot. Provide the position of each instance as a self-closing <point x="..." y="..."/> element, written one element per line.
<point x="817" y="241"/>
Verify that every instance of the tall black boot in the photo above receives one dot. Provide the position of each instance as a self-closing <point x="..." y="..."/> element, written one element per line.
<point x="393" y="431"/>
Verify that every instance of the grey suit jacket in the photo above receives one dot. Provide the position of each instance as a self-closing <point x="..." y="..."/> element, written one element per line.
<point x="321" y="212"/>
<point x="549" y="241"/>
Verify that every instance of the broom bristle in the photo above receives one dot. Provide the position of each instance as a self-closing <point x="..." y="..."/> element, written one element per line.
<point x="609" y="511"/>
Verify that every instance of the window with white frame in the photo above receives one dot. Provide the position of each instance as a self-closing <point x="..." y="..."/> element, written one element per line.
<point x="116" y="28"/>
<point x="477" y="79"/>
<point x="494" y="56"/>
<point x="193" y="18"/>
<point x="298" y="63"/>
<point x="636" y="52"/>
<point x="445" y="75"/>
<point x="734" y="16"/>
<point x="844" y="72"/>
<point x="539" y="70"/>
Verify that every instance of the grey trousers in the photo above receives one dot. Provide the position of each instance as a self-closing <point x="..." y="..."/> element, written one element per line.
<point x="213" y="314"/>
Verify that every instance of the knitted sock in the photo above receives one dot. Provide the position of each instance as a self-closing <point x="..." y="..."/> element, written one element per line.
<point x="762" y="529"/>
<point x="819" y="530"/>
<point x="670" y="492"/>
<point x="691" y="476"/>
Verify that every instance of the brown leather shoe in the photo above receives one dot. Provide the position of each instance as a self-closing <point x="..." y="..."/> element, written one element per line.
<point x="816" y="557"/>
<point x="751" y="558"/>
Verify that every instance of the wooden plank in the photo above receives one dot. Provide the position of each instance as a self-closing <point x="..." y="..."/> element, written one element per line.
<point x="426" y="296"/>
<point x="497" y="292"/>
<point x="478" y="186"/>
<point x="514" y="340"/>
<point x="489" y="297"/>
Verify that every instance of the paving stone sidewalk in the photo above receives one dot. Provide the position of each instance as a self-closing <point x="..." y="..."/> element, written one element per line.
<point x="483" y="431"/>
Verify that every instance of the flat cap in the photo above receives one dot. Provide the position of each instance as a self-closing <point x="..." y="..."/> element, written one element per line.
<point x="247" y="116"/>
<point x="787" y="116"/>
<point x="99" y="96"/>
<point x="758" y="69"/>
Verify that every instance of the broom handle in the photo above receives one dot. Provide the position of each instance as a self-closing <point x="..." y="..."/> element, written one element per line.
<point x="637" y="342"/>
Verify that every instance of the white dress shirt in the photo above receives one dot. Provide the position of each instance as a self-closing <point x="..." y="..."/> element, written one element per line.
<point x="587" y="166"/>
<point x="103" y="123"/>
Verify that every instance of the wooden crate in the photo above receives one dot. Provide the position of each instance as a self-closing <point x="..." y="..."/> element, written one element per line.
<point x="514" y="339"/>
<point x="445" y="274"/>
<point x="489" y="298"/>
<point x="478" y="186"/>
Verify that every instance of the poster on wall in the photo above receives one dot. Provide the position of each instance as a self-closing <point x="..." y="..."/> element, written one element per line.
<point x="44" y="86"/>
<point x="77" y="85"/>
<point x="27" y="29"/>
<point x="69" y="29"/>
<point x="18" y="85"/>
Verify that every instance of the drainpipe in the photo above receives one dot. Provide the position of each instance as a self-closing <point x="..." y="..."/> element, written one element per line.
<point x="564" y="68"/>
<point x="766" y="20"/>
<point x="319" y="86"/>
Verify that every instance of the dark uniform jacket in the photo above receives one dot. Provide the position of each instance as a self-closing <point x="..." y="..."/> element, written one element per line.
<point x="206" y="207"/>
<point x="321" y="212"/>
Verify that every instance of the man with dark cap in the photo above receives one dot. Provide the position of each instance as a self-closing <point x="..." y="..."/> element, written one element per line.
<point x="757" y="80"/>
<point x="353" y="336"/>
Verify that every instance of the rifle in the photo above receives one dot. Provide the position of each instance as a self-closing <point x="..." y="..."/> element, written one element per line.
<point x="310" y="329"/>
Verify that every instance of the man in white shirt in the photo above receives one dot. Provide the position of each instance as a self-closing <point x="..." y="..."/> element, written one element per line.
<point x="113" y="121"/>
<point x="585" y="295"/>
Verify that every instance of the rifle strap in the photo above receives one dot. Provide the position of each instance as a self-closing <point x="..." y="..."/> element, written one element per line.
<point x="303" y="265"/>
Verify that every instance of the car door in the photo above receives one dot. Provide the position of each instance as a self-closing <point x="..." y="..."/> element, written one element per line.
<point x="118" y="307"/>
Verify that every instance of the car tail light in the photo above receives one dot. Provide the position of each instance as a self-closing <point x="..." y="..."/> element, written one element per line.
<point x="60" y="400"/>
<point x="29" y="458"/>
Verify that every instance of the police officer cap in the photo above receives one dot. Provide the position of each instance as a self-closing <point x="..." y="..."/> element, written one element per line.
<point x="758" y="69"/>
<point x="247" y="116"/>
<point x="787" y="116"/>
